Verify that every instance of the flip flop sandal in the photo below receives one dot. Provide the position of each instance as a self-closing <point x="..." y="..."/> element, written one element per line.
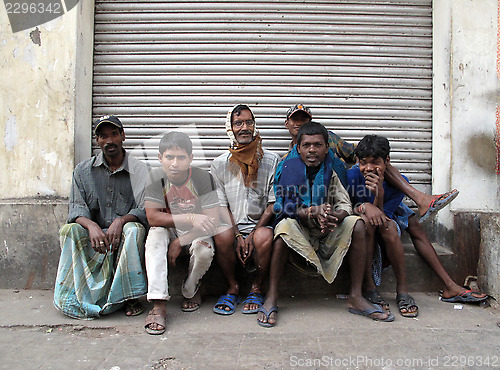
<point x="189" y="309"/>
<point x="267" y="314"/>
<point x="375" y="309"/>
<point x="438" y="203"/>
<point x="155" y="318"/>
<point x="373" y="296"/>
<point x="252" y="298"/>
<point x="133" y="306"/>
<point x="228" y="300"/>
<point x="465" y="297"/>
<point x="405" y="302"/>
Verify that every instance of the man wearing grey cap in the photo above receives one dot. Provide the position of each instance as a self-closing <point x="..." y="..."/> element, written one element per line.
<point x="102" y="245"/>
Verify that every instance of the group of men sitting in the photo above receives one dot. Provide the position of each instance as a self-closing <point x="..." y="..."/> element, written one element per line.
<point x="324" y="200"/>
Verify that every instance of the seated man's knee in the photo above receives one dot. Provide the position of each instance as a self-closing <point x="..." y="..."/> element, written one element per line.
<point x="203" y="250"/>
<point x="72" y="228"/>
<point x="359" y="228"/>
<point x="369" y="228"/>
<point x="157" y="236"/>
<point x="263" y="238"/>
<point x="224" y="240"/>
<point x="390" y="232"/>
<point x="133" y="227"/>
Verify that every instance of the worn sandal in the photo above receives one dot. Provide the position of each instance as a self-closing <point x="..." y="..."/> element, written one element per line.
<point x="228" y="300"/>
<point x="252" y="298"/>
<point x="134" y="307"/>
<point x="155" y="318"/>
<point x="267" y="314"/>
<point x="466" y="297"/>
<point x="405" y="302"/>
<point x="373" y="296"/>
<point x="438" y="203"/>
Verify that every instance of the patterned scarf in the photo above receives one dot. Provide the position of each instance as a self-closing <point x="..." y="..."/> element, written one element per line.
<point x="292" y="187"/>
<point x="245" y="158"/>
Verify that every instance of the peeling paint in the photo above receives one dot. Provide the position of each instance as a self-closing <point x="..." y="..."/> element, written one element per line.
<point x="43" y="189"/>
<point x="10" y="138"/>
<point x="29" y="55"/>
<point x="35" y="37"/>
<point x="497" y="142"/>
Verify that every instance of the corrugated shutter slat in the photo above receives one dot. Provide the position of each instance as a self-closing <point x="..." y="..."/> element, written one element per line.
<point x="362" y="66"/>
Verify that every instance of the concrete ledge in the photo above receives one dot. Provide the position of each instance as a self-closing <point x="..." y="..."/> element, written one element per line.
<point x="489" y="255"/>
<point x="30" y="253"/>
<point x="29" y="250"/>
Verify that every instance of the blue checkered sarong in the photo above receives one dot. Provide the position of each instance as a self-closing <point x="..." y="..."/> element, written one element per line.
<point x="90" y="284"/>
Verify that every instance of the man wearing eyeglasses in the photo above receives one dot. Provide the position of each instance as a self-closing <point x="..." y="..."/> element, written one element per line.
<point x="244" y="177"/>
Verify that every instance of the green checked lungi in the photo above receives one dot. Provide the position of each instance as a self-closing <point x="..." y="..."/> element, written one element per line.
<point x="90" y="284"/>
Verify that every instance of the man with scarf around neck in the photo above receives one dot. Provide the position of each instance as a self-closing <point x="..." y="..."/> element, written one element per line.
<point x="314" y="220"/>
<point x="244" y="178"/>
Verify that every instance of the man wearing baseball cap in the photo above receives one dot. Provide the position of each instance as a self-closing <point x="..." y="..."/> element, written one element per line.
<point x="428" y="205"/>
<point x="102" y="245"/>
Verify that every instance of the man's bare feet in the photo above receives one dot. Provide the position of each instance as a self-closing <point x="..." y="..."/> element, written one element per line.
<point x="191" y="304"/>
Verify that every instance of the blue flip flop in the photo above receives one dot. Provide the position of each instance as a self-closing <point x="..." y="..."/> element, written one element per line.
<point x="228" y="300"/>
<point x="438" y="203"/>
<point x="252" y="298"/>
<point x="267" y="313"/>
<point x="375" y="309"/>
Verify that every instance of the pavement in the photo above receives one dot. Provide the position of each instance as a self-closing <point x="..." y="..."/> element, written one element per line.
<point x="313" y="332"/>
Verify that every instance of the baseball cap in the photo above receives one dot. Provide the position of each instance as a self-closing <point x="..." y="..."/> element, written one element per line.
<point x="296" y="108"/>
<point x="108" y="119"/>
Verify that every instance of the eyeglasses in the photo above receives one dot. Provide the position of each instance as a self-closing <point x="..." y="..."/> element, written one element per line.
<point x="248" y="122"/>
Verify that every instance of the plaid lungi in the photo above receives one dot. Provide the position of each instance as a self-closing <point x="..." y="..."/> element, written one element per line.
<point x="90" y="284"/>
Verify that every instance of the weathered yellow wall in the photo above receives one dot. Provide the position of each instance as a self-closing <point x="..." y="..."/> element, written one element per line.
<point x="37" y="103"/>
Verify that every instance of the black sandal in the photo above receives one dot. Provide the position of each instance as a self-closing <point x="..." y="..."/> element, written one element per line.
<point x="373" y="296"/>
<point x="405" y="302"/>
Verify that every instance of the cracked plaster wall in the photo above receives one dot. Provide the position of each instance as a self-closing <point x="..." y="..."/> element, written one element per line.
<point x="37" y="108"/>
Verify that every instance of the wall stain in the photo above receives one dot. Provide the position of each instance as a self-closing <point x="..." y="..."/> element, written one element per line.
<point x="35" y="37"/>
<point x="482" y="151"/>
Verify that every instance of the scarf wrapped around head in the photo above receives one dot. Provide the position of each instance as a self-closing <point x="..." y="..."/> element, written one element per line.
<point x="245" y="158"/>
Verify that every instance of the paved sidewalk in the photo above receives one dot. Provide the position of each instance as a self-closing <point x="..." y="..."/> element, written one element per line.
<point x="313" y="332"/>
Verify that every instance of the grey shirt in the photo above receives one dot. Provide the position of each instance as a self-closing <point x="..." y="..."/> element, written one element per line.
<point x="246" y="204"/>
<point x="102" y="195"/>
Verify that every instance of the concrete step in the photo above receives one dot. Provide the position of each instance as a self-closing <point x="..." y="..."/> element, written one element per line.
<point x="419" y="275"/>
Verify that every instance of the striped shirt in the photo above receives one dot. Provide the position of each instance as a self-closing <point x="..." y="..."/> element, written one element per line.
<point x="247" y="204"/>
<point x="102" y="195"/>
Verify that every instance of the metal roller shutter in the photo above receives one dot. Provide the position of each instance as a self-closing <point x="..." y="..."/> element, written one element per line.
<point x="362" y="66"/>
